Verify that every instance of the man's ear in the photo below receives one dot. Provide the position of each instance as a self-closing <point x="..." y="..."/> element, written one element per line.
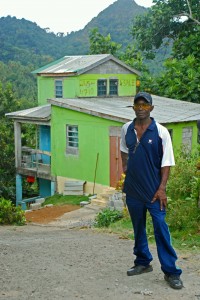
<point x="152" y="107"/>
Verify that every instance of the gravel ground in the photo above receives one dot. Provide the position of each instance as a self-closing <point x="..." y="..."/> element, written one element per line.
<point x="46" y="262"/>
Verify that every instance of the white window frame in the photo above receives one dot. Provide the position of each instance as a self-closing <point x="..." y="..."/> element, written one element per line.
<point x="72" y="139"/>
<point x="116" y="83"/>
<point x="58" y="88"/>
<point x="104" y="81"/>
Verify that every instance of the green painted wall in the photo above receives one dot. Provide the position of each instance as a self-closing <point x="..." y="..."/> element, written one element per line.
<point x="45" y="89"/>
<point x="93" y="139"/>
<point x="88" y="84"/>
<point x="83" y="86"/>
<point x="177" y="134"/>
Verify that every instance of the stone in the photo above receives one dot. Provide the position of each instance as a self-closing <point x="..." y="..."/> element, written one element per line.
<point x="83" y="203"/>
<point x="35" y="206"/>
<point x="40" y="200"/>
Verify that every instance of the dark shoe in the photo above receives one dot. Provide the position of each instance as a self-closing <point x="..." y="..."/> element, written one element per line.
<point x="174" y="281"/>
<point x="137" y="270"/>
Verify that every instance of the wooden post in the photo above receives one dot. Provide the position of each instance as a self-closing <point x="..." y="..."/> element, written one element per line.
<point x="95" y="173"/>
<point x="18" y="144"/>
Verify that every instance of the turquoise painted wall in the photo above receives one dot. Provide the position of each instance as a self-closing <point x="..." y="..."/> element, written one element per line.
<point x="93" y="139"/>
<point x="44" y="187"/>
<point x="83" y="86"/>
<point x="45" y="142"/>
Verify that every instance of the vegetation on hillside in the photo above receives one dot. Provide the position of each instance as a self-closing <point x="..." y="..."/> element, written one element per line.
<point x="9" y="102"/>
<point x="10" y="214"/>
<point x="177" y="21"/>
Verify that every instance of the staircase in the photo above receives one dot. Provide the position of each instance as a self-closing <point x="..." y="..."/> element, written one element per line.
<point x="109" y="198"/>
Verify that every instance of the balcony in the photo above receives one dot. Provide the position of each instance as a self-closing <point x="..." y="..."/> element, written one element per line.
<point x="35" y="163"/>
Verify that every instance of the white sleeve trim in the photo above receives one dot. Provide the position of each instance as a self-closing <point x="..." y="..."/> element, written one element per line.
<point x="123" y="146"/>
<point x="168" y="154"/>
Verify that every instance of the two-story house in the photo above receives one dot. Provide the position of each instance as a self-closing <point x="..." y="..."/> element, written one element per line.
<point x="83" y="102"/>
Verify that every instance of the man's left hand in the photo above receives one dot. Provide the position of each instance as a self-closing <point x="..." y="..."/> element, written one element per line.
<point x="162" y="197"/>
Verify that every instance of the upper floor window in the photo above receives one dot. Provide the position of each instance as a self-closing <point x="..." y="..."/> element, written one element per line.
<point x="102" y="87"/>
<point x="113" y="87"/>
<point x="72" y="139"/>
<point x="58" y="88"/>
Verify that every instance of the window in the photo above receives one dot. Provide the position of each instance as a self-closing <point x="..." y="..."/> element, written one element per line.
<point x="113" y="87"/>
<point x="187" y="137"/>
<point x="102" y="87"/>
<point x="72" y="139"/>
<point x="58" y="88"/>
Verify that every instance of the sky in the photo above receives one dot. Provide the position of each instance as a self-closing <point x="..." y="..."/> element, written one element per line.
<point x="60" y="15"/>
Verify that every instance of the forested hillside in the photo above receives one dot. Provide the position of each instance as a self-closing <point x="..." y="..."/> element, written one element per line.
<point x="25" y="46"/>
<point x="25" y="41"/>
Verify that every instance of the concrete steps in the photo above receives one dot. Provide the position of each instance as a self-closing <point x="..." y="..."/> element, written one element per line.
<point x="109" y="198"/>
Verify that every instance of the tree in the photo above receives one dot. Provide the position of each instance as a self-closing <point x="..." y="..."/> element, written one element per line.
<point x="134" y="58"/>
<point x="166" y="19"/>
<point x="180" y="80"/>
<point x="100" y="44"/>
<point x="8" y="103"/>
<point x="177" y="22"/>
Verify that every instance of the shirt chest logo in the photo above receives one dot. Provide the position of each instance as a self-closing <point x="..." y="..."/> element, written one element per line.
<point x="150" y="141"/>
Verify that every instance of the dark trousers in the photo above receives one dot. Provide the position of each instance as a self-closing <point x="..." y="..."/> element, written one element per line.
<point x="166" y="254"/>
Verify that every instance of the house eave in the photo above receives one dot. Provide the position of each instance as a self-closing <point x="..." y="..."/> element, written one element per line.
<point x="166" y="111"/>
<point x="88" y="111"/>
<point x="36" y="115"/>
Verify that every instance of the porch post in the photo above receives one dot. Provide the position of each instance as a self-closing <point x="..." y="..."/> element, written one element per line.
<point x="18" y="189"/>
<point x="52" y="188"/>
<point x="18" y="144"/>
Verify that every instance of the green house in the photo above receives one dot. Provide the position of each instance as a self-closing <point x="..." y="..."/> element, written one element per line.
<point x="83" y="102"/>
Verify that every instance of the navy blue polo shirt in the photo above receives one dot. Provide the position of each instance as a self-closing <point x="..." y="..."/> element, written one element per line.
<point x="145" y="159"/>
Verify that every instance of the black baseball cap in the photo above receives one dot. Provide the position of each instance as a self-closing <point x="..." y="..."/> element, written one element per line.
<point x="146" y="96"/>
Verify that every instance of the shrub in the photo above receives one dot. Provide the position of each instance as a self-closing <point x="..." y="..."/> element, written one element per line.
<point x="183" y="215"/>
<point x="107" y="216"/>
<point x="180" y="182"/>
<point x="10" y="214"/>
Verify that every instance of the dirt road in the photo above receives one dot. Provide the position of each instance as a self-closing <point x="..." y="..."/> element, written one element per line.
<point x="49" y="263"/>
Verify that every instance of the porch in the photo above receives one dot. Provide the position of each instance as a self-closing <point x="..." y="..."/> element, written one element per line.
<point x="34" y="162"/>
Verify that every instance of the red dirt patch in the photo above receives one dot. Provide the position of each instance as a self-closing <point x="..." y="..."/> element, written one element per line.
<point x="48" y="214"/>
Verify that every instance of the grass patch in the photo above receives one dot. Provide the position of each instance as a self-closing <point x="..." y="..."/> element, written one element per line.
<point x="182" y="218"/>
<point x="186" y="240"/>
<point x="58" y="199"/>
<point x="182" y="239"/>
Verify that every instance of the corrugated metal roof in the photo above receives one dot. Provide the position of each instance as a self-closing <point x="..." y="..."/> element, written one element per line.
<point x="39" y="113"/>
<point x="76" y="65"/>
<point x="165" y="111"/>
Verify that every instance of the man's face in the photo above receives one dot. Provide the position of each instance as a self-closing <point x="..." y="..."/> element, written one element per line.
<point x="142" y="109"/>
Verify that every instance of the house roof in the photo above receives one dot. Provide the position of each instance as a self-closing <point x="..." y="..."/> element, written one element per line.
<point x="40" y="114"/>
<point x="76" y="65"/>
<point x="165" y="111"/>
<point x="119" y="109"/>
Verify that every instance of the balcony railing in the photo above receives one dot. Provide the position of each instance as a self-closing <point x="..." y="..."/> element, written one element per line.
<point x="35" y="162"/>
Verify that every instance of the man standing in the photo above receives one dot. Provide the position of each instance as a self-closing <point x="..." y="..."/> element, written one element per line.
<point x="147" y="155"/>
